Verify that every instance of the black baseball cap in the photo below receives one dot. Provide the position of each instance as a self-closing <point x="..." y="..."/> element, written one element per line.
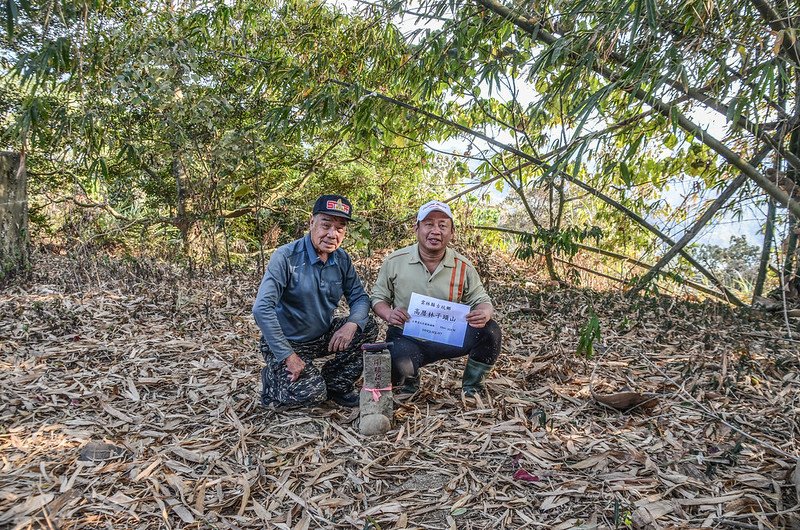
<point x="334" y="205"/>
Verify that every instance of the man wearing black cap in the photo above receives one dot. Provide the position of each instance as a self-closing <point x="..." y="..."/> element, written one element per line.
<point x="301" y="288"/>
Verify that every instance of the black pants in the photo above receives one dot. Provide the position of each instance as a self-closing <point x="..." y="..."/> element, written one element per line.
<point x="409" y="354"/>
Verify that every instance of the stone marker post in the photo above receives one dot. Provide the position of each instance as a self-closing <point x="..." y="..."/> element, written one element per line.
<point x="376" y="406"/>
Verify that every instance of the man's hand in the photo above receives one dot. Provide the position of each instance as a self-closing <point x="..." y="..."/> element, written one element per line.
<point x="394" y="316"/>
<point x="398" y="316"/>
<point x="294" y="365"/>
<point x="480" y="315"/>
<point x="341" y="340"/>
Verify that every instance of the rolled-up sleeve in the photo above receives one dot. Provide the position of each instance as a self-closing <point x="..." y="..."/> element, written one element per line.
<point x="275" y="280"/>
<point x="474" y="292"/>
<point x="356" y="296"/>
<point x="382" y="290"/>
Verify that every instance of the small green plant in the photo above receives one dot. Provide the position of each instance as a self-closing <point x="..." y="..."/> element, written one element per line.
<point x="622" y="517"/>
<point x="588" y="334"/>
<point x="541" y="417"/>
<point x="371" y="524"/>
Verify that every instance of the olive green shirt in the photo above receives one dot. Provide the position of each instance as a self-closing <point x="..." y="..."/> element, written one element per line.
<point x="403" y="273"/>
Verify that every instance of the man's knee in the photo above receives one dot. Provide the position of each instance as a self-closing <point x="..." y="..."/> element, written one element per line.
<point x="402" y="367"/>
<point x="489" y="343"/>
<point x="278" y="391"/>
<point x="308" y="390"/>
<point x="493" y="332"/>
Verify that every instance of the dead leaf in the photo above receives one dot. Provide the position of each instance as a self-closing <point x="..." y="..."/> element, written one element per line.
<point x="652" y="512"/>
<point x="625" y="401"/>
<point x="522" y="474"/>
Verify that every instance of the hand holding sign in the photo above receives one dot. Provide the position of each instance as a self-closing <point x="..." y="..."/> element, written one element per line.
<point x="480" y="316"/>
<point x="436" y="320"/>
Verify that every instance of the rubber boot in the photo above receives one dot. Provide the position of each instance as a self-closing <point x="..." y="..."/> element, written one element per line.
<point x="474" y="374"/>
<point x="408" y="388"/>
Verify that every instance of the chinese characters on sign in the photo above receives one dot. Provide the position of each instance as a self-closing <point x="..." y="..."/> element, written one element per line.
<point x="436" y="320"/>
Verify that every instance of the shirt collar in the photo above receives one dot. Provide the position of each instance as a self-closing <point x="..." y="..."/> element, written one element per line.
<point x="312" y="253"/>
<point x="449" y="259"/>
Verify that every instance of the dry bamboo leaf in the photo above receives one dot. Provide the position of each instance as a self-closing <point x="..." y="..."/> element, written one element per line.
<point x="709" y="501"/>
<point x="117" y="413"/>
<point x="569" y="523"/>
<point x="30" y="505"/>
<point x="649" y="513"/>
<point x="389" y="507"/>
<point x="193" y="364"/>
<point x="796" y="479"/>
<point x="61" y="501"/>
<point x="184" y="513"/>
<point x="260" y="511"/>
<point x="67" y="485"/>
<point x="187" y="454"/>
<point x="148" y="470"/>
<point x="245" y="495"/>
<point x="625" y="401"/>
<point x="598" y="461"/>
<point x="132" y="393"/>
<point x="200" y="498"/>
<point x="303" y="523"/>
<point x="553" y="502"/>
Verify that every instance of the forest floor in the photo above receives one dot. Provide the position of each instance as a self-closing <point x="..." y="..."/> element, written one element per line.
<point x="129" y="399"/>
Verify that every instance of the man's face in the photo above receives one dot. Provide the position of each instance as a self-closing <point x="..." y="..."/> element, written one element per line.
<point x="327" y="232"/>
<point x="434" y="232"/>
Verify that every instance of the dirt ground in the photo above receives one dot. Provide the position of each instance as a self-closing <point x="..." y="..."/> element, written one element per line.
<point x="129" y="399"/>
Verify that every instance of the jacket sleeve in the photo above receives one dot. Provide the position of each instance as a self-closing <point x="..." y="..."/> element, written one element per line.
<point x="275" y="280"/>
<point x="474" y="292"/>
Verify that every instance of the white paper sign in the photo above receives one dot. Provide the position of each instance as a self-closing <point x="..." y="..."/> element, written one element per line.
<point x="437" y="320"/>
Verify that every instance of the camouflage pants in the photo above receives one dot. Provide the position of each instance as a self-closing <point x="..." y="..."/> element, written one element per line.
<point x="338" y="374"/>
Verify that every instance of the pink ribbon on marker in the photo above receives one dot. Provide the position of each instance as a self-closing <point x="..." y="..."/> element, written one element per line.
<point x="376" y="392"/>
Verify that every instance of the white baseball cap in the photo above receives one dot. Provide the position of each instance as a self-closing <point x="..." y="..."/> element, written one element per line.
<point x="433" y="206"/>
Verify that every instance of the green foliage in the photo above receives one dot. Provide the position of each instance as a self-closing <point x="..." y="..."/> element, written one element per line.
<point x="588" y="334"/>
<point x="216" y="126"/>
<point x="563" y="241"/>
<point x="736" y="265"/>
<point x="614" y="95"/>
<point x="217" y="123"/>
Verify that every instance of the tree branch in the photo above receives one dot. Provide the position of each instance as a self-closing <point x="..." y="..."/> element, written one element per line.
<point x="669" y="111"/>
<point x="694" y="285"/>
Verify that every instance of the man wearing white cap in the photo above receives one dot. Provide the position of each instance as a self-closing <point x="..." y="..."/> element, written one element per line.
<point x="431" y="268"/>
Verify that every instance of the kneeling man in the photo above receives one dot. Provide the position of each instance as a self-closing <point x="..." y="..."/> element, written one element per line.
<point x="301" y="288"/>
<point x="431" y="268"/>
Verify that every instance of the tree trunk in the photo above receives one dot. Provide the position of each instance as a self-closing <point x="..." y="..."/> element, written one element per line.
<point x="794" y="178"/>
<point x="769" y="228"/>
<point x="182" y="220"/>
<point x="13" y="214"/>
<point x="548" y="246"/>
<point x="791" y="248"/>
